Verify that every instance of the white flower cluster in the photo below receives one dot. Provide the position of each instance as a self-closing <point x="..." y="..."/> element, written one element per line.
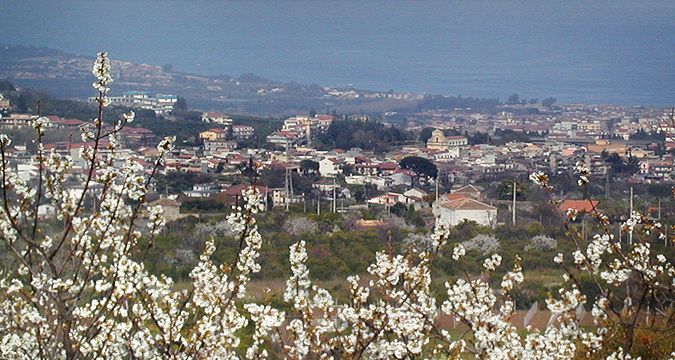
<point x="84" y="292"/>
<point x="539" y="178"/>
<point x="458" y="251"/>
<point x="484" y="244"/>
<point x="102" y="72"/>
<point x="40" y="124"/>
<point x="583" y="172"/>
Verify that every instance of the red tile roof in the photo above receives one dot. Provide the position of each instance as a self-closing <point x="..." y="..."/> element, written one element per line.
<point x="454" y="197"/>
<point x="217" y="130"/>
<point x="388" y="166"/>
<point x="236" y="190"/>
<point x="467" y="203"/>
<point x="578" y="205"/>
<point x="68" y="122"/>
<point x="136" y="130"/>
<point x="467" y="189"/>
<point x="214" y="114"/>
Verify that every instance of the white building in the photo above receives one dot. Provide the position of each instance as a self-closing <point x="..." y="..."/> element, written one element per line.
<point x="329" y="167"/>
<point x="202" y="190"/>
<point x="451" y="153"/>
<point x="242" y="131"/>
<point x="160" y="103"/>
<point x="454" y="141"/>
<point x="452" y="212"/>
<point x="217" y="118"/>
<point x="26" y="172"/>
<point x="401" y="178"/>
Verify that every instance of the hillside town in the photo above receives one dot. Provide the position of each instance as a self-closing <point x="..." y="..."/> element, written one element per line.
<point x="605" y="139"/>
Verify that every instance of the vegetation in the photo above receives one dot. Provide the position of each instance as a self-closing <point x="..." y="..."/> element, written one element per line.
<point x="91" y="281"/>
<point x="619" y="165"/>
<point x="453" y="102"/>
<point x="641" y="134"/>
<point x="366" y="135"/>
<point x="177" y="181"/>
<point x="420" y="166"/>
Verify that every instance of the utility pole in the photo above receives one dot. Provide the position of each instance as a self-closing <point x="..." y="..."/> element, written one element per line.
<point x="630" y="235"/>
<point x="290" y="181"/>
<point x="287" y="191"/>
<point x="318" y="204"/>
<point x="583" y="229"/>
<point x="438" y="176"/>
<point x="334" y="196"/>
<point x="513" y="213"/>
<point x="659" y="213"/>
<point x="665" y="241"/>
<point x="267" y="202"/>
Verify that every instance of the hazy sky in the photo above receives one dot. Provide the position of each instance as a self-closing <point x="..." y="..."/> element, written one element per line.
<point x="618" y="51"/>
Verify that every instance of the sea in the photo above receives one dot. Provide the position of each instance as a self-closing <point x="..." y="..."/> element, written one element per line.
<point x="619" y="52"/>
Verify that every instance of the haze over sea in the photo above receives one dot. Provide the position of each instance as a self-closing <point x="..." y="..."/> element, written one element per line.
<point x="620" y="52"/>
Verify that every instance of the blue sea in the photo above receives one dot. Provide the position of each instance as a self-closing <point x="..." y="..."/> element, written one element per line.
<point x="619" y="52"/>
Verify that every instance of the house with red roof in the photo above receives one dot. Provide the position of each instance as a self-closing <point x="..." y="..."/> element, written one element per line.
<point x="284" y="137"/>
<point x="234" y="194"/>
<point x="580" y="206"/>
<point x="453" y="209"/>
<point x="66" y="123"/>
<point x="470" y="190"/>
<point x="387" y="168"/>
<point x="138" y="136"/>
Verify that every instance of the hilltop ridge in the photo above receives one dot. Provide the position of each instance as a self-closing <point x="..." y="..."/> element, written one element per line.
<point x="69" y="75"/>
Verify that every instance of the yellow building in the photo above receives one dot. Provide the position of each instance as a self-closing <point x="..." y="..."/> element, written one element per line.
<point x="213" y="134"/>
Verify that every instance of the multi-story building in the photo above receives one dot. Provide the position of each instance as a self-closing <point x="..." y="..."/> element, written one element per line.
<point x="284" y="138"/>
<point x="213" y="134"/>
<point x="242" y="131"/>
<point x="16" y="120"/>
<point x="160" y="103"/>
<point x="217" y="118"/>
<point x="307" y="124"/>
<point x="456" y="141"/>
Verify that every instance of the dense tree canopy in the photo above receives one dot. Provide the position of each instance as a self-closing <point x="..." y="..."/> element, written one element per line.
<point x="420" y="166"/>
<point x="641" y="134"/>
<point x="630" y="165"/>
<point x="367" y="135"/>
<point x="309" y="166"/>
<point x="452" y="102"/>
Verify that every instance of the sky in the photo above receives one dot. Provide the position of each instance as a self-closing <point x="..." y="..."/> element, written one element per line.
<point x="579" y="51"/>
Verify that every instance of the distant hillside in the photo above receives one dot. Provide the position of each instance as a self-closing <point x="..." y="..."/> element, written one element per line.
<point x="69" y="75"/>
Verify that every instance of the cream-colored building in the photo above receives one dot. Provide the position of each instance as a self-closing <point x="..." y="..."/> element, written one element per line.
<point x="213" y="134"/>
<point x="437" y="141"/>
<point x="452" y="212"/>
